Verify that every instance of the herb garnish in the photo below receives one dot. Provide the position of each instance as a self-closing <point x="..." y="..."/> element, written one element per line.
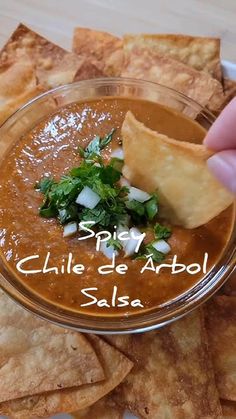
<point x="114" y="207"/>
<point x="95" y="146"/>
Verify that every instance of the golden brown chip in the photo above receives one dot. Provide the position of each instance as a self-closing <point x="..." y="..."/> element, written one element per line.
<point x="30" y="65"/>
<point x="229" y="409"/>
<point x="198" y="85"/>
<point x="172" y="375"/>
<point x="229" y="87"/>
<point x="116" y="367"/>
<point x="189" y="195"/>
<point x="103" y="409"/>
<point x="53" y="65"/>
<point x="103" y="47"/>
<point x="229" y="91"/>
<point x="88" y="70"/>
<point x="221" y="326"/>
<point x="198" y="52"/>
<point x="18" y="84"/>
<point x="36" y="356"/>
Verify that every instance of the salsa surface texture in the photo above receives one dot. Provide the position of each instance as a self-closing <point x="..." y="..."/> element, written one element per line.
<point x="51" y="148"/>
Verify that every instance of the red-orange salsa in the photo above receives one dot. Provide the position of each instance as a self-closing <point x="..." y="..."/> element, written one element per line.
<point x="51" y="149"/>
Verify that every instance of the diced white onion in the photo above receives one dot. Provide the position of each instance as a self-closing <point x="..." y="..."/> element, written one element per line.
<point x="131" y="244"/>
<point x="138" y="195"/>
<point x="118" y="153"/>
<point x="123" y="229"/>
<point x="69" y="229"/>
<point x="162" y="246"/>
<point x="124" y="182"/>
<point x="108" y="251"/>
<point x="88" y="198"/>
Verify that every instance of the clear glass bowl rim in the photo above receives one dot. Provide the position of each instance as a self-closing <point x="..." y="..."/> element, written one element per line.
<point x="134" y="323"/>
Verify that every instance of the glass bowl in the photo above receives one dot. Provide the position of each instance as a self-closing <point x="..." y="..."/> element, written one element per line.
<point x="25" y="119"/>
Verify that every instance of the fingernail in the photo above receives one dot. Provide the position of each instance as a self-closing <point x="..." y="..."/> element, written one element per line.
<point x="224" y="169"/>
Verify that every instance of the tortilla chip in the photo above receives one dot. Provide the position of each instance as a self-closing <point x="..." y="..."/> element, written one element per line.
<point x="54" y="66"/>
<point x="198" y="85"/>
<point x="198" y="52"/>
<point x="36" y="356"/>
<point x="229" y="87"/>
<point x="116" y="367"/>
<point x="30" y="65"/>
<point x="102" y="47"/>
<point x="221" y="326"/>
<point x="88" y="70"/>
<point x="172" y="376"/>
<point x="189" y="194"/>
<point x="229" y="409"/>
<point x="103" y="409"/>
<point x="18" y="85"/>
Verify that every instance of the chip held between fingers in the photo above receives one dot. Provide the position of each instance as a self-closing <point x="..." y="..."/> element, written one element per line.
<point x="189" y="195"/>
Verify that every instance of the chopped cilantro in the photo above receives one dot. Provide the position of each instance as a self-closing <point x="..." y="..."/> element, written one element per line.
<point x="151" y="207"/>
<point x="115" y="243"/>
<point x="161" y="232"/>
<point x="44" y="184"/>
<point x="117" y="163"/>
<point x="113" y="209"/>
<point x="150" y="250"/>
<point x="109" y="175"/>
<point x="95" y="146"/>
<point x="107" y="139"/>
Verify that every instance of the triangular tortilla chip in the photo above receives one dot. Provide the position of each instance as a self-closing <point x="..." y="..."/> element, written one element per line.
<point x="172" y="376"/>
<point x="36" y="356"/>
<point x="228" y="409"/>
<point x="221" y="326"/>
<point x="53" y="65"/>
<point x="144" y="64"/>
<point x="229" y="91"/>
<point x="103" y="47"/>
<point x="88" y="70"/>
<point x="30" y="65"/>
<point x="189" y="194"/>
<point x="201" y="53"/>
<point x="116" y="367"/>
<point x="103" y="409"/>
<point x="18" y="84"/>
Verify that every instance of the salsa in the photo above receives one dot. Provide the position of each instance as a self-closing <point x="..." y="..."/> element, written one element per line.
<point x="51" y="149"/>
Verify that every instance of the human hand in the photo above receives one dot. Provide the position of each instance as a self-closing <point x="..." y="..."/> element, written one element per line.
<point x="221" y="138"/>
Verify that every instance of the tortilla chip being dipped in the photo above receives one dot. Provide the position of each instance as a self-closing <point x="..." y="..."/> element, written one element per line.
<point x="102" y="47"/>
<point x="172" y="376"/>
<point x="221" y="326"/>
<point x="189" y="195"/>
<point x="116" y="367"/>
<point x="201" y="53"/>
<point x="36" y="356"/>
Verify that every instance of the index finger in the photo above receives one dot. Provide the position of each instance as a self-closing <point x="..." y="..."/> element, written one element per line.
<point x="222" y="134"/>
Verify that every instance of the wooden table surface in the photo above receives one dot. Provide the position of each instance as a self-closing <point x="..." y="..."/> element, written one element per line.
<point x="57" y="18"/>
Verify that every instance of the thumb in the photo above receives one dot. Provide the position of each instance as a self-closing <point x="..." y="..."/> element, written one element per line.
<point x="223" y="167"/>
